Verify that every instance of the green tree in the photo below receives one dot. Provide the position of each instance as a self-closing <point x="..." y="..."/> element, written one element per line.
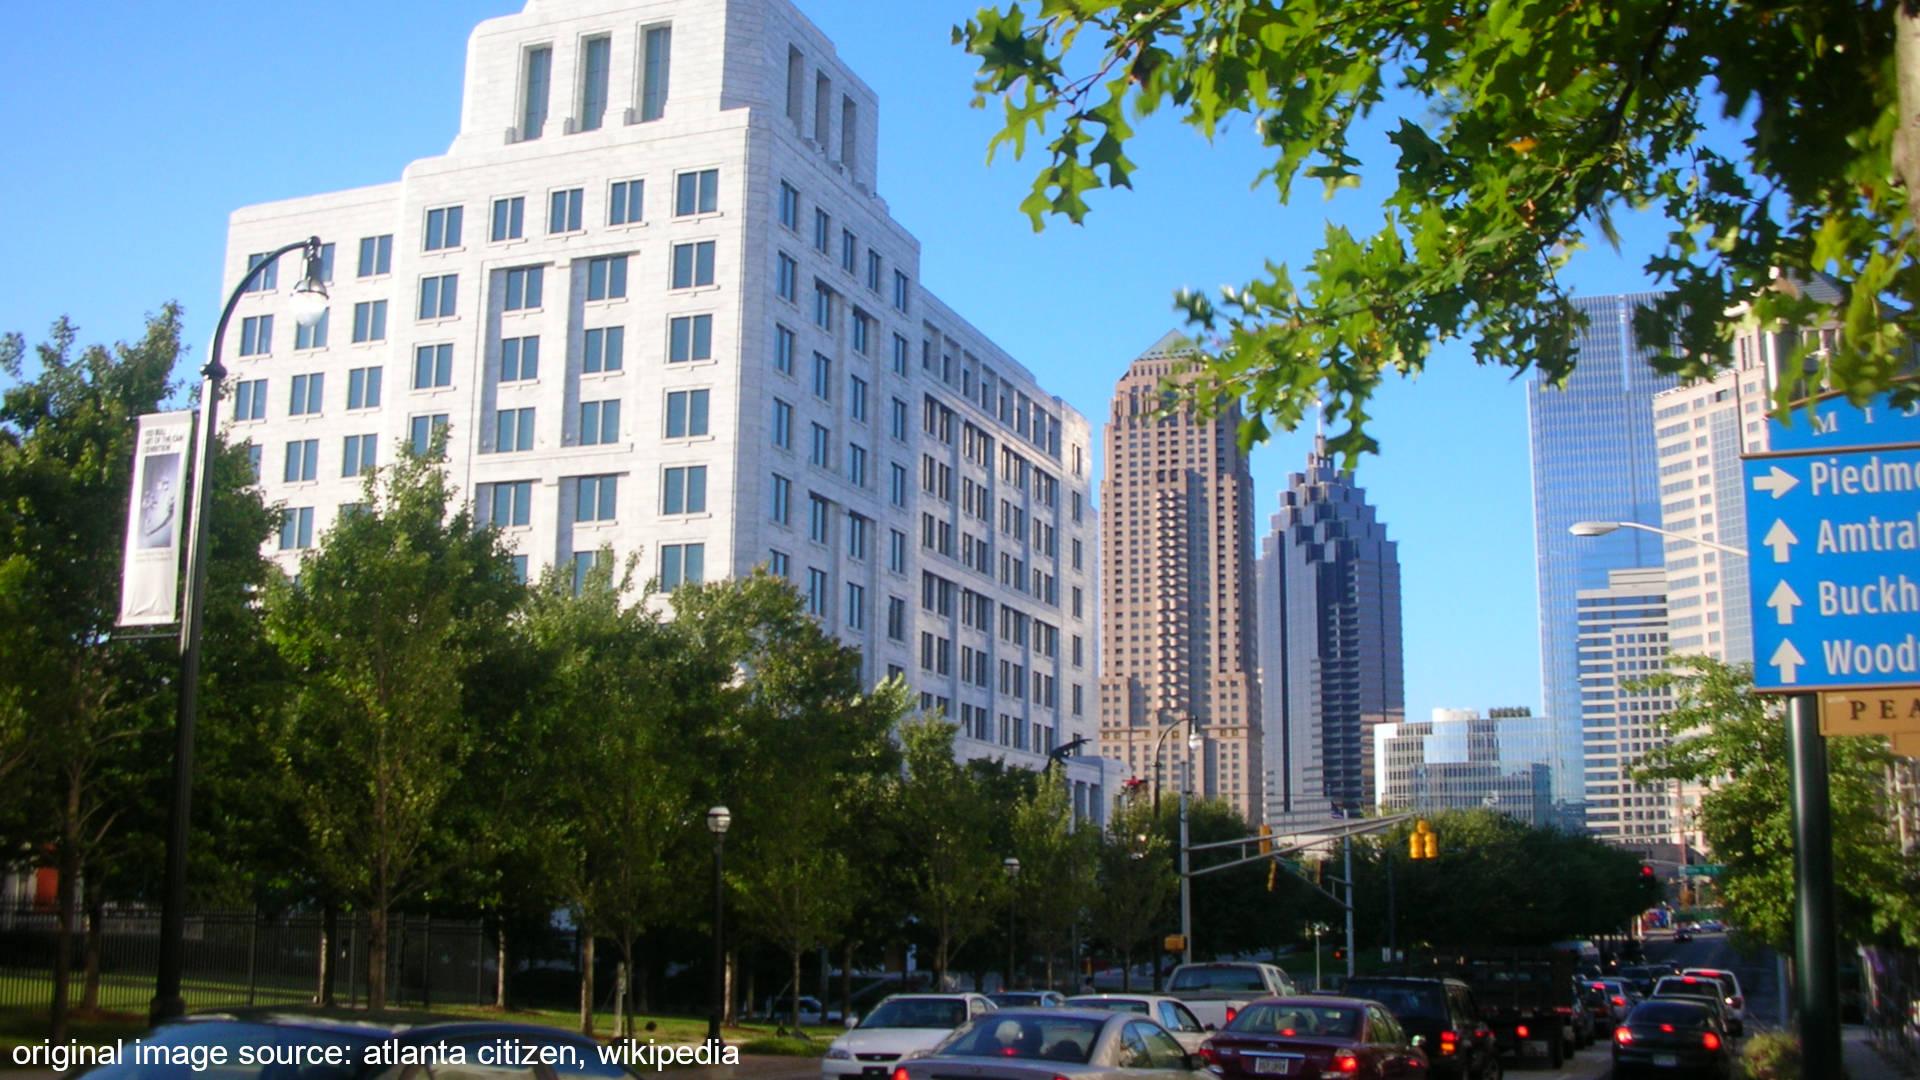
<point x="381" y="630"/>
<point x="1524" y="128"/>
<point x="1134" y="884"/>
<point x="1727" y="736"/>
<point x="956" y="875"/>
<point x="1056" y="866"/>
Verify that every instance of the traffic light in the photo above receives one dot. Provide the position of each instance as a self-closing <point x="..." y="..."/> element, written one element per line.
<point x="1266" y="839"/>
<point x="1273" y="874"/>
<point x="1646" y="872"/>
<point x="1339" y="953"/>
<point x="1423" y="842"/>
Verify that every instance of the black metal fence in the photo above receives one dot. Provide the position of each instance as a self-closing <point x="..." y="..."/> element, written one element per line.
<point x="237" y="959"/>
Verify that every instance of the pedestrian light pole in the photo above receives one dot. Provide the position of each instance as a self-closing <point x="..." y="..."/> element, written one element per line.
<point x="718" y="819"/>
<point x="1194" y="747"/>
<point x="309" y="306"/>
<point x="1012" y="866"/>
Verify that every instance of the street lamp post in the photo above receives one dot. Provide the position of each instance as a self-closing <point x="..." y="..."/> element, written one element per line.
<point x="1194" y="746"/>
<point x="310" y="303"/>
<point x="1012" y="866"/>
<point x="1602" y="528"/>
<point x="718" y="819"/>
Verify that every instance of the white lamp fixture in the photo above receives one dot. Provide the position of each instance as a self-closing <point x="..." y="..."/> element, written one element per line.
<point x="310" y="296"/>
<point x="718" y="819"/>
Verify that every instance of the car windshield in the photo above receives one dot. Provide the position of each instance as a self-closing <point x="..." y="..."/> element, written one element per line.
<point x="1692" y="987"/>
<point x="1680" y="1014"/>
<point x="1030" y="1036"/>
<point x="918" y="1013"/>
<point x="183" y="1051"/>
<point x="1015" y="999"/>
<point x="1290" y="1018"/>
<point x="1131" y="1005"/>
<point x="1405" y="1002"/>
<point x="1219" y="978"/>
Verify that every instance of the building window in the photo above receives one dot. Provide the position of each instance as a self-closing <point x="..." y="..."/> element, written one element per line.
<point x="326" y="263"/>
<point x="605" y="349"/>
<point x="822" y="452"/>
<point x="599" y="422"/>
<point x="897" y="551"/>
<point x="822" y="118"/>
<point x="816" y="592"/>
<point x="822" y="377"/>
<point x="626" y="202"/>
<point x="873" y="270"/>
<point x="306" y="397"/>
<point x="369" y="321"/>
<point x="376" y="255"/>
<point x="512" y="431"/>
<point x="782" y="424"/>
<point x="268" y="279"/>
<point x="256" y="335"/>
<point x="438" y="296"/>
<point x="819" y="519"/>
<point x="686" y="413"/>
<point x="653" y="84"/>
<point x="859" y="535"/>
<point x="900" y="289"/>
<point x="783" y="343"/>
<point x="525" y="284"/>
<point x="296" y="529"/>
<point x="563" y="211"/>
<point x="789" y="206"/>
<point x="822" y="232"/>
<point x="782" y="500"/>
<point x="779" y="565"/>
<point x="856" y="607"/>
<point x="594" y="497"/>
<point x="900" y="352"/>
<point x="315" y="336"/>
<point x="533" y="105"/>
<point x="857" y="398"/>
<point x="519" y="359"/>
<point x="896" y="618"/>
<point x="857" y="465"/>
<point x="509" y="218"/>
<point x="363" y="388"/>
<point x="507" y="505"/>
<point x="683" y="490"/>
<point x="607" y="277"/>
<point x="897" y="419"/>
<point x="689" y="337"/>
<point x="849" y="251"/>
<point x="693" y="264"/>
<point x="253" y="460"/>
<point x="250" y="400"/>
<point x="423" y="431"/>
<point x="897" y="484"/>
<point x="682" y="564"/>
<point x="696" y="193"/>
<point x="443" y="228"/>
<point x="862" y="333"/>
<point x="432" y="366"/>
<point x="593" y="82"/>
<point x="303" y="460"/>
<point x="359" y="455"/>
<point x="786" y="279"/>
<point x="849" y="131"/>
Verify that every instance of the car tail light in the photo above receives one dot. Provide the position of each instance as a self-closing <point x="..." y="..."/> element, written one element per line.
<point x="1344" y="1061"/>
<point x="1520" y="1031"/>
<point x="900" y="1073"/>
<point x="1619" y="1001"/>
<point x="1688" y="979"/>
<point x="1736" y="1001"/>
<point x="1564" y="1010"/>
<point x="1449" y="1041"/>
<point x="1710" y="1041"/>
<point x="1623" y="1035"/>
<point x="1231" y="1013"/>
<point x="1208" y="1054"/>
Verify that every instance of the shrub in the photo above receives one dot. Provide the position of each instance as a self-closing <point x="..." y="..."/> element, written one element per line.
<point x="1772" y="1055"/>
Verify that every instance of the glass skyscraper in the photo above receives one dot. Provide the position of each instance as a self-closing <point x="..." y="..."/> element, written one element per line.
<point x="1594" y="459"/>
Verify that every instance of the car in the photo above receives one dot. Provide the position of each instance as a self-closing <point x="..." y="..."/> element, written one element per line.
<point x="900" y="1025"/>
<point x="1697" y="988"/>
<point x="1314" y="1036"/>
<point x="1216" y="991"/>
<point x="1736" y="999"/>
<point x="1442" y="1016"/>
<point x="812" y="1013"/>
<point x="1577" y="1015"/>
<point x="293" y="1043"/>
<point x="1672" y="1037"/>
<point x="1682" y="935"/>
<point x="1055" y="1044"/>
<point x="1028" y="999"/>
<point x="1617" y="1000"/>
<point x="1170" y="1013"/>
<point x="1713" y="926"/>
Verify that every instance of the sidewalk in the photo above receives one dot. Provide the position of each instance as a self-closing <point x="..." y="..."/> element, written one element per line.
<point x="1863" y="1062"/>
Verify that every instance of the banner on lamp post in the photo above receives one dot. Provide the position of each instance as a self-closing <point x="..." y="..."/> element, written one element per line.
<point x="150" y="578"/>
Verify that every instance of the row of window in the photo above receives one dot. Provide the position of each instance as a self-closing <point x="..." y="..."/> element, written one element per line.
<point x="594" y="92"/>
<point x="849" y="249"/>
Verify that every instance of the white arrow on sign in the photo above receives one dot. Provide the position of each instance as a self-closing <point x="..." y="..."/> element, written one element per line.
<point x="1788" y="660"/>
<point x="1781" y="540"/>
<point x="1783" y="601"/>
<point x="1778" y="481"/>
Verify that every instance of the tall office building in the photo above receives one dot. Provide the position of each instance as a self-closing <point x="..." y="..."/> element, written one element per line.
<point x="655" y="302"/>
<point x="1460" y="760"/>
<point x="1177" y="629"/>
<point x="1593" y="460"/>
<point x="1623" y="639"/>
<point x="1330" y="650"/>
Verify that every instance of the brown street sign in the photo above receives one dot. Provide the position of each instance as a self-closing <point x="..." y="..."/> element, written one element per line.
<point x="1871" y="712"/>
<point x="1907" y="745"/>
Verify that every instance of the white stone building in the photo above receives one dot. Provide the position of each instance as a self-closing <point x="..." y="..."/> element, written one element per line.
<point x="655" y="300"/>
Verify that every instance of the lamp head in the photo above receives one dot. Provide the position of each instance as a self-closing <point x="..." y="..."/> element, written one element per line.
<point x="310" y="296"/>
<point x="1592" y="528"/>
<point x="1012" y="866"/>
<point x="718" y="819"/>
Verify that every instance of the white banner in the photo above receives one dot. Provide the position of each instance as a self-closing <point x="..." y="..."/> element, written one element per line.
<point x="150" y="582"/>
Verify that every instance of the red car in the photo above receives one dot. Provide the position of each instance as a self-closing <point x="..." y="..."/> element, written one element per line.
<point x="1311" y="1038"/>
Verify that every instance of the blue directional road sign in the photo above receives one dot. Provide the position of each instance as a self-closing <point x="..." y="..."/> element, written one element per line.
<point x="1838" y="424"/>
<point x="1834" y="542"/>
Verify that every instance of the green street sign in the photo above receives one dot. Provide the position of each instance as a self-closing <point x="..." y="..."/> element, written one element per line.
<point x="1704" y="870"/>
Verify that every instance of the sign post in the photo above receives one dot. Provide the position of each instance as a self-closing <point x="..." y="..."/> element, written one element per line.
<point x="1833" y="525"/>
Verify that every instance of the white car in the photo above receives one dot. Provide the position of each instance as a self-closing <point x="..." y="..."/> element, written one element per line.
<point x="1169" y="1013"/>
<point x="901" y="1026"/>
<point x="1736" y="998"/>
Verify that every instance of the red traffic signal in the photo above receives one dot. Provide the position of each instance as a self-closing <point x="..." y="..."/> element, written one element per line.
<point x="1646" y="872"/>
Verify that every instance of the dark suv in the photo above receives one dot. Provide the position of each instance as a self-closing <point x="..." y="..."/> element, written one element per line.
<point x="1443" y="1018"/>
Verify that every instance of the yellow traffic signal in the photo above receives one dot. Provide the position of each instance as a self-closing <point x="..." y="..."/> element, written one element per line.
<point x="1415" y="849"/>
<point x="1266" y="839"/>
<point x="1423" y="842"/>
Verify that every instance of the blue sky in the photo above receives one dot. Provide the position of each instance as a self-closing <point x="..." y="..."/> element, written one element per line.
<point x="128" y="159"/>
